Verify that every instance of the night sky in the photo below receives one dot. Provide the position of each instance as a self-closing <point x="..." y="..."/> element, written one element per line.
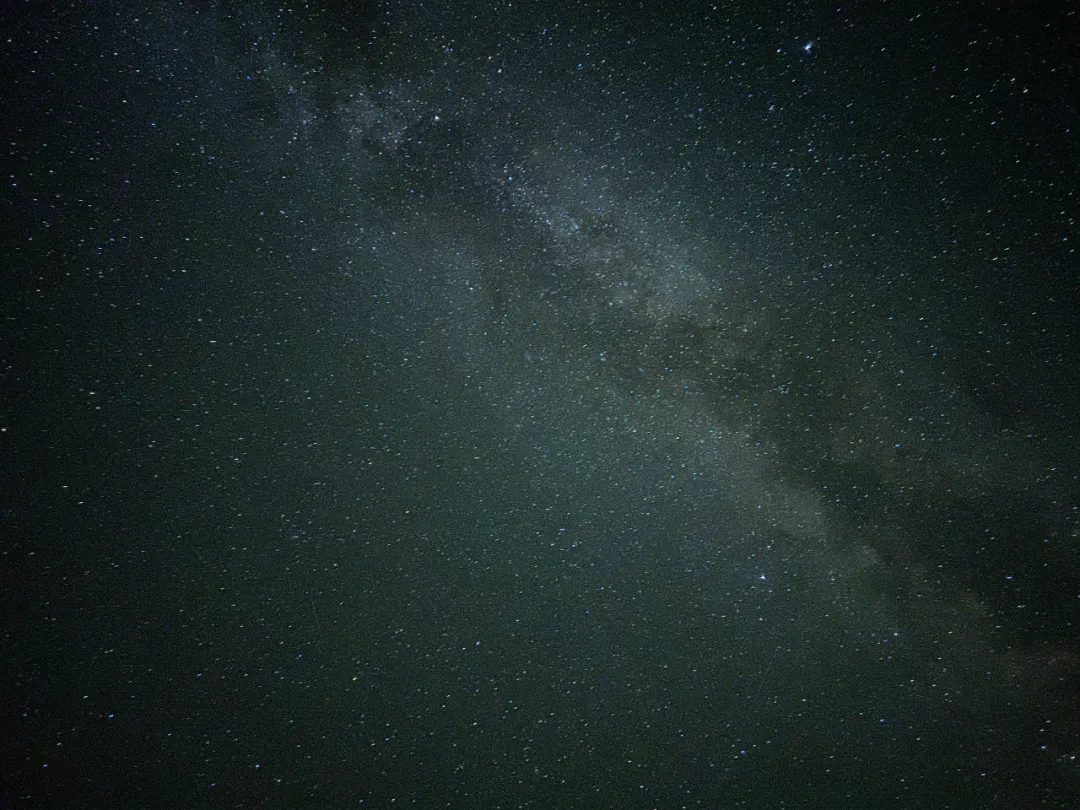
<point x="551" y="405"/>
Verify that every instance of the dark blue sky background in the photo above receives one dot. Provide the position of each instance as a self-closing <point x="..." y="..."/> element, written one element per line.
<point x="572" y="405"/>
